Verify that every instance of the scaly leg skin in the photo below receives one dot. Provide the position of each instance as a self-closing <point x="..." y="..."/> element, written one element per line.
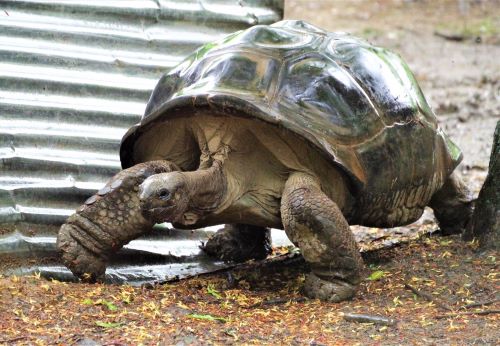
<point x="239" y="243"/>
<point x="316" y="225"/>
<point x="107" y="221"/>
<point x="453" y="205"/>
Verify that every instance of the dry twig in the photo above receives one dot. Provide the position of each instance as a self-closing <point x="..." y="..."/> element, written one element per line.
<point x="361" y="318"/>
<point x="427" y="297"/>
<point x="9" y="341"/>
<point x="450" y="37"/>
<point x="481" y="313"/>
<point x="476" y="305"/>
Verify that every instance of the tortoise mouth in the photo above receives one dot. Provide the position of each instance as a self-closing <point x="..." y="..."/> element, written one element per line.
<point x="159" y="214"/>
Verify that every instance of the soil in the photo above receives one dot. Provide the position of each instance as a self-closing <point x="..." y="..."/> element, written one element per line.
<point x="264" y="306"/>
<point x="453" y="49"/>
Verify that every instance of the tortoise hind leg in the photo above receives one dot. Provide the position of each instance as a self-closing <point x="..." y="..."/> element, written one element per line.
<point x="316" y="225"/>
<point x="239" y="242"/>
<point x="452" y="205"/>
<point x="107" y="221"/>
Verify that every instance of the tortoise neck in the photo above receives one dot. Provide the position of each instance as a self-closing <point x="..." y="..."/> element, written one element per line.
<point x="207" y="188"/>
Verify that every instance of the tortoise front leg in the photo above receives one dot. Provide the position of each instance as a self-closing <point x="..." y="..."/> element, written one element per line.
<point x="239" y="243"/>
<point x="107" y="221"/>
<point x="316" y="225"/>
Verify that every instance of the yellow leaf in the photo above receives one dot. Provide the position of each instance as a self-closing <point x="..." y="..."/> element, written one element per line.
<point x="446" y="254"/>
<point x="396" y="301"/>
<point x="212" y="291"/>
<point x="179" y="304"/>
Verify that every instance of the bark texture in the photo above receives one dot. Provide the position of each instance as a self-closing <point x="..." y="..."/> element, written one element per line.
<point x="485" y="224"/>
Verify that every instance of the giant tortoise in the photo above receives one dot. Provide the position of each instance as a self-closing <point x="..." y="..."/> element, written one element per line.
<point x="285" y="126"/>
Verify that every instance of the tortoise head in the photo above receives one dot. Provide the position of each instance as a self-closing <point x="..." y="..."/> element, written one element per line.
<point x="164" y="197"/>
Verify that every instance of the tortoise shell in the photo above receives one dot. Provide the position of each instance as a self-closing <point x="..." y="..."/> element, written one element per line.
<point x="356" y="103"/>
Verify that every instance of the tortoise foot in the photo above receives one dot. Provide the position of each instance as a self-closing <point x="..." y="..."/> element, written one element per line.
<point x="330" y="291"/>
<point x="453" y="205"/>
<point x="84" y="264"/>
<point x="239" y="243"/>
<point x="456" y="221"/>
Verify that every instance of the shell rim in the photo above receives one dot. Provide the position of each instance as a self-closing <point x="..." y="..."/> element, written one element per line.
<point x="224" y="105"/>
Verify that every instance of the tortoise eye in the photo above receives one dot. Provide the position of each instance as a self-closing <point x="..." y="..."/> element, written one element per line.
<point x="164" y="194"/>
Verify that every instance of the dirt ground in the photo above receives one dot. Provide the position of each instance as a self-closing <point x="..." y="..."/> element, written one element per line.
<point x="453" y="47"/>
<point x="264" y="306"/>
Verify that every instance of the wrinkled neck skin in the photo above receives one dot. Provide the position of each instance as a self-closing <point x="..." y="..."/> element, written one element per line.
<point x="207" y="188"/>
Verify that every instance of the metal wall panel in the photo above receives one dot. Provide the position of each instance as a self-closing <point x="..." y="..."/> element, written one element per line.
<point x="74" y="75"/>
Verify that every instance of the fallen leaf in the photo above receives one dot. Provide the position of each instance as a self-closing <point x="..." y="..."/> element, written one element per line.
<point x="207" y="317"/>
<point x="87" y="301"/>
<point x="376" y="275"/>
<point x="212" y="291"/>
<point x="109" y="305"/>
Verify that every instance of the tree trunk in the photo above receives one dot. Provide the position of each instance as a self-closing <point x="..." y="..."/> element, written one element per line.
<point x="485" y="222"/>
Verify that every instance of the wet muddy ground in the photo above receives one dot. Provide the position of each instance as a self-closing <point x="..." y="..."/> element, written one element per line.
<point x="264" y="306"/>
<point x="453" y="47"/>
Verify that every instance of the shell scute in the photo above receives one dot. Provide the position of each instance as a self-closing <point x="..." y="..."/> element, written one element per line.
<point x="333" y="103"/>
<point x="357" y="104"/>
<point x="299" y="25"/>
<point x="275" y="38"/>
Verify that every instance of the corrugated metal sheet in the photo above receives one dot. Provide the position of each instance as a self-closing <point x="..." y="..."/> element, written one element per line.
<point x="74" y="75"/>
